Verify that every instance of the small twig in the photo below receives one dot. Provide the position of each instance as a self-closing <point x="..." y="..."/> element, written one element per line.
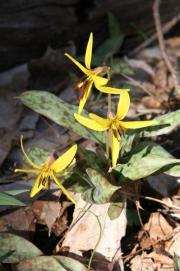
<point x="138" y="84"/>
<point x="162" y="45"/>
<point x="162" y="202"/>
<point x="152" y="199"/>
<point x="165" y="29"/>
<point x="133" y="253"/>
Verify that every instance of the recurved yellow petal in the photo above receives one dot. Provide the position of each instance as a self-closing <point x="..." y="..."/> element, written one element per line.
<point x="89" y="123"/>
<point x="38" y="186"/>
<point x="101" y="121"/>
<point x="110" y="90"/>
<point x="115" y="146"/>
<point x="123" y="105"/>
<point x="27" y="157"/>
<point x="79" y="65"/>
<point x="85" y="96"/>
<point x="137" y="124"/>
<point x="64" y="160"/>
<point x="88" y="54"/>
<point x="64" y="190"/>
<point x="99" y="81"/>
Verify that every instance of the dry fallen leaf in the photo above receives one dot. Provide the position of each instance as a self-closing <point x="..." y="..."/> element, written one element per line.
<point x="158" y="227"/>
<point x="52" y="214"/>
<point x="84" y="235"/>
<point x="20" y="220"/>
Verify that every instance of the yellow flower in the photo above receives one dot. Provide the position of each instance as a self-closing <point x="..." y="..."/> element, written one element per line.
<point x="48" y="171"/>
<point x="92" y="76"/>
<point x="114" y="124"/>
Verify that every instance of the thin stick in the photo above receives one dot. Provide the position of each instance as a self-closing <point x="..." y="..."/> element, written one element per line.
<point x="138" y="84"/>
<point x="162" y="202"/>
<point x="165" y="29"/>
<point x="152" y="199"/>
<point x="162" y="45"/>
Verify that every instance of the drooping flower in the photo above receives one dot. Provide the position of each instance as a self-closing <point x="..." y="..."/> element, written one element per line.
<point x="92" y="76"/>
<point x="114" y="124"/>
<point x="48" y="171"/>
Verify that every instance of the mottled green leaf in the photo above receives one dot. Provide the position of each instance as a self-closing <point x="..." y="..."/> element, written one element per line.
<point x="115" y="209"/>
<point x="40" y="263"/>
<point x="16" y="248"/>
<point x="50" y="263"/>
<point x="70" y="264"/>
<point x="165" y="125"/>
<point x="174" y="171"/>
<point x="95" y="160"/>
<point x="55" y="109"/>
<point x="101" y="189"/>
<point x="38" y="155"/>
<point x="16" y="192"/>
<point x="146" y="159"/>
<point x="77" y="182"/>
<point x="176" y="263"/>
<point x="9" y="200"/>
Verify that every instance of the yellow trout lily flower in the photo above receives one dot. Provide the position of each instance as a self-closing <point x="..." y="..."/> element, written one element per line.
<point x="48" y="171"/>
<point x="92" y="76"/>
<point x="114" y="124"/>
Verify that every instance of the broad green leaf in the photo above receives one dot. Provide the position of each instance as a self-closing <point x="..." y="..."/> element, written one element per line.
<point x="113" y="25"/>
<point x="77" y="182"/>
<point x="176" y="263"/>
<point x="121" y="67"/>
<point x="101" y="191"/>
<point x="16" y="192"/>
<point x="39" y="263"/>
<point x="70" y="264"/>
<point x="132" y="217"/>
<point x="9" y="200"/>
<point x="146" y="159"/>
<point x="110" y="45"/>
<point x="17" y="247"/>
<point x="50" y="263"/>
<point x="95" y="160"/>
<point x="115" y="209"/>
<point x="107" y="49"/>
<point x="55" y="109"/>
<point x="38" y="155"/>
<point x="174" y="171"/>
<point x="166" y="124"/>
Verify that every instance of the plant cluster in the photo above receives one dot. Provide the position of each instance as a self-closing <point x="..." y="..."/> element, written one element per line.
<point x="101" y="176"/>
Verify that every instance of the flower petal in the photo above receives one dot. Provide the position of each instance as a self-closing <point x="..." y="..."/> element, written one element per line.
<point x="63" y="189"/>
<point x="137" y="124"/>
<point x="79" y="65"/>
<point x="85" y="96"/>
<point x="64" y="160"/>
<point x="111" y="90"/>
<point x="101" y="121"/>
<point x="89" y="123"/>
<point x="88" y="54"/>
<point x="123" y="105"/>
<point x="27" y="157"/>
<point x="99" y="81"/>
<point x="115" y="147"/>
<point x="26" y="170"/>
<point x="38" y="186"/>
